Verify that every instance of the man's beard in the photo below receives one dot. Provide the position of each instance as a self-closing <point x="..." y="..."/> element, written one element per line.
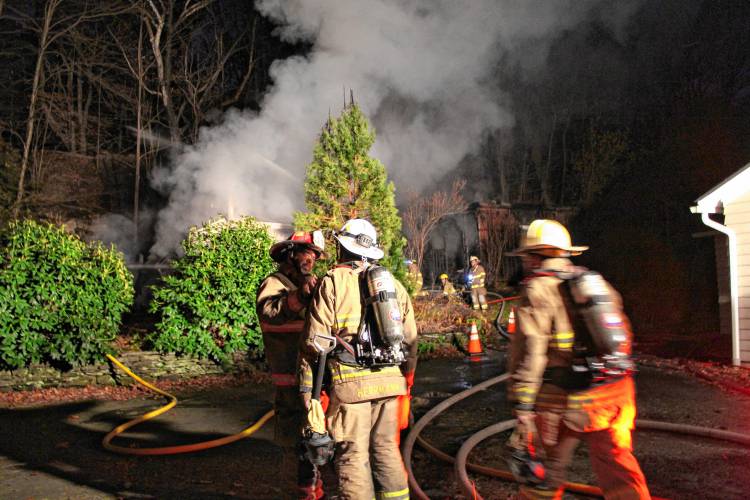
<point x="301" y="270"/>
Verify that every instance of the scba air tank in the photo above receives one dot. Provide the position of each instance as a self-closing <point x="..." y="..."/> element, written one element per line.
<point x="382" y="292"/>
<point x="607" y="324"/>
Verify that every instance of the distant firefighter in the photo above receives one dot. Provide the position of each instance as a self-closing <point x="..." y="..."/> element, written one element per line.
<point x="571" y="373"/>
<point x="448" y="289"/>
<point x="477" y="277"/>
<point x="415" y="277"/>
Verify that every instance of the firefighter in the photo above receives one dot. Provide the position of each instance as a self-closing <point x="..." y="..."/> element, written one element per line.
<point x="556" y="405"/>
<point x="478" y="290"/>
<point x="281" y="305"/>
<point x="362" y="415"/>
<point x="448" y="289"/>
<point x="415" y="277"/>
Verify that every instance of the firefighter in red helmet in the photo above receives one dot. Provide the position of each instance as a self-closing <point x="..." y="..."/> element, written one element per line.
<point x="571" y="373"/>
<point x="281" y="304"/>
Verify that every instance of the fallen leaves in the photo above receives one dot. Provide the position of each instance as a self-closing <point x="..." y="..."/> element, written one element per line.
<point x="54" y="395"/>
<point x="727" y="377"/>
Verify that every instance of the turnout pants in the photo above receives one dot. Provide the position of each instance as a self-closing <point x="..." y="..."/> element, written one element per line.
<point x="610" y="453"/>
<point x="479" y="298"/>
<point x="299" y="478"/>
<point x="367" y="458"/>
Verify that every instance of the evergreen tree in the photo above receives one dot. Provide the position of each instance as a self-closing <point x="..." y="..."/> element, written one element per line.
<point x="344" y="182"/>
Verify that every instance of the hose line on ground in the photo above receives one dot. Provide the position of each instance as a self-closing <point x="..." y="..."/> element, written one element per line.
<point x="460" y="464"/>
<point x="411" y="438"/>
<point x="168" y="450"/>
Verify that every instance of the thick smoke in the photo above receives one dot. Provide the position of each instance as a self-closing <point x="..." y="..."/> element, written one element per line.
<point x="118" y="230"/>
<point x="423" y="71"/>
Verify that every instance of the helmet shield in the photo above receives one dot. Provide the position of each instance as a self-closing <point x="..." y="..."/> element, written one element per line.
<point x="359" y="237"/>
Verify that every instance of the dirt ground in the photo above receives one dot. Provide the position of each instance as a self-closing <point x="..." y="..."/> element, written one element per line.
<point x="53" y="450"/>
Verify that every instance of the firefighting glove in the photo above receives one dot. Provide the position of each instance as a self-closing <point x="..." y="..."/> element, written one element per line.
<point x="404" y="402"/>
<point x="524" y="431"/>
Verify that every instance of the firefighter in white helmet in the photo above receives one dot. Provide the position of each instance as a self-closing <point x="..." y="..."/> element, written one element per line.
<point x="281" y="305"/>
<point x="569" y="381"/>
<point x="370" y="315"/>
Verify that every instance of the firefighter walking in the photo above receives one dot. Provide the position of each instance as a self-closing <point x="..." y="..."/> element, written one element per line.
<point x="478" y="289"/>
<point x="281" y="305"/>
<point x="370" y="315"/>
<point x="570" y="382"/>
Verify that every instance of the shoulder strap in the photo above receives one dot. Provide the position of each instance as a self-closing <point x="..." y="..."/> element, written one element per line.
<point x="580" y="328"/>
<point x="362" y="281"/>
<point x="284" y="279"/>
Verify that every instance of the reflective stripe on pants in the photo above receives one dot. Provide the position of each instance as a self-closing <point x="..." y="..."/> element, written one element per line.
<point x="366" y="449"/>
<point x="617" y="471"/>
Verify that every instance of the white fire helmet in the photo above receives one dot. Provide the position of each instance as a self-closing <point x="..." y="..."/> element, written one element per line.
<point x="360" y="238"/>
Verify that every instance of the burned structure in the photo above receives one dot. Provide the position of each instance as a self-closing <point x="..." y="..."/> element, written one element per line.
<point x="487" y="229"/>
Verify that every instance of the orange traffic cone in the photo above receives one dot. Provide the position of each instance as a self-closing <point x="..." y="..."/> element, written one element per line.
<point x="475" y="345"/>
<point x="512" y="320"/>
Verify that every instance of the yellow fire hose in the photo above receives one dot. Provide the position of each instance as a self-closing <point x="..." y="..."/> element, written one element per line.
<point x="168" y="450"/>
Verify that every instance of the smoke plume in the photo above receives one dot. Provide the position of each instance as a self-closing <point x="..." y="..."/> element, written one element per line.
<point x="423" y="71"/>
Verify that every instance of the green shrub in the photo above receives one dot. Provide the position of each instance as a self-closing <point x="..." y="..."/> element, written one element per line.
<point x="61" y="299"/>
<point x="207" y="307"/>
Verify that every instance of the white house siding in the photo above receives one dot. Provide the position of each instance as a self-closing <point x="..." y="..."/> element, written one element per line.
<point x="721" y="251"/>
<point x="737" y="218"/>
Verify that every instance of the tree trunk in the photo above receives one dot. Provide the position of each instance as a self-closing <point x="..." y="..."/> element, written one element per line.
<point x="166" y="82"/>
<point x="502" y="174"/>
<point x="43" y="40"/>
<point x="564" y="161"/>
<point x="69" y="99"/>
<point x="138" y="125"/>
<point x="545" y="173"/>
<point x="524" y="178"/>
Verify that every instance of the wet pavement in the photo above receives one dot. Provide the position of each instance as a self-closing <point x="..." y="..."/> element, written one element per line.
<point x="55" y="451"/>
<point x="676" y="466"/>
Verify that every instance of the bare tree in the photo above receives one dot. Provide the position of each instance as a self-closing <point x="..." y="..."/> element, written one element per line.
<point x="201" y="77"/>
<point x="185" y="62"/>
<point x="164" y="28"/>
<point x="52" y="26"/>
<point x="422" y="215"/>
<point x="502" y="230"/>
<point x="45" y="38"/>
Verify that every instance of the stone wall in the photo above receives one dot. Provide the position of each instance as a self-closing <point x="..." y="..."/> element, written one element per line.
<point x="146" y="364"/>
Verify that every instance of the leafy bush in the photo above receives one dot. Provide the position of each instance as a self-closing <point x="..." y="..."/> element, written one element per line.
<point x="61" y="300"/>
<point x="207" y="307"/>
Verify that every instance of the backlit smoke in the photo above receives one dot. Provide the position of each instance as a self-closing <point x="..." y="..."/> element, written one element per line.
<point x="423" y="71"/>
